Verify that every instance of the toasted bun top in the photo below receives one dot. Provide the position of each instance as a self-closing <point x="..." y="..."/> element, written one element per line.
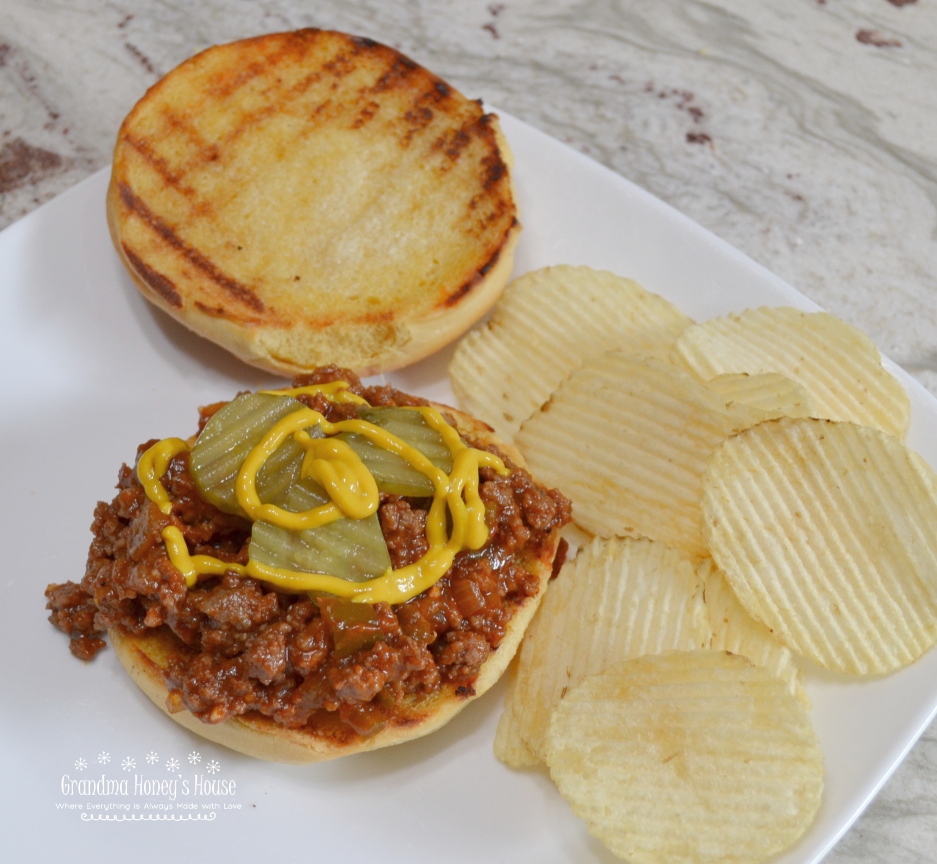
<point x="314" y="197"/>
<point x="147" y="656"/>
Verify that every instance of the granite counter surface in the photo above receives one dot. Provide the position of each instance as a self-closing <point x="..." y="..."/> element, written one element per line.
<point x="804" y="133"/>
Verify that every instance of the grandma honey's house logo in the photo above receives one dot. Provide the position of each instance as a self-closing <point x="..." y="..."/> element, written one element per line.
<point x="150" y="788"/>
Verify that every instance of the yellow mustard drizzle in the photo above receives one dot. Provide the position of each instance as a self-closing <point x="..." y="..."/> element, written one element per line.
<point x="352" y="490"/>
<point x="152" y="466"/>
<point x="340" y="471"/>
<point x="193" y="566"/>
<point x="333" y="463"/>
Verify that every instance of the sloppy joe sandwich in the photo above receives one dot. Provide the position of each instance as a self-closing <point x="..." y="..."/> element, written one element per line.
<point x="320" y="570"/>
<point x="312" y="197"/>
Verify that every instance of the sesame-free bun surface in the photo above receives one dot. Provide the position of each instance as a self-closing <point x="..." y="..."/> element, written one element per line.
<point x="146" y="656"/>
<point x="311" y="197"/>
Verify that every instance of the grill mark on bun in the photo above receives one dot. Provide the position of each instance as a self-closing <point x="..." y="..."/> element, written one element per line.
<point x="237" y="76"/>
<point x="496" y="170"/>
<point x="205" y="151"/>
<point x="365" y="115"/>
<point x="396" y="77"/>
<point x="462" y="290"/>
<point x="156" y="281"/>
<point x="421" y="115"/>
<point x="459" y="142"/>
<point x="220" y="311"/>
<point x="240" y="292"/>
<point x="222" y="86"/>
<point x="467" y="286"/>
<point x="159" y="164"/>
<point x="417" y="119"/>
<point x="453" y="142"/>
<point x="214" y="311"/>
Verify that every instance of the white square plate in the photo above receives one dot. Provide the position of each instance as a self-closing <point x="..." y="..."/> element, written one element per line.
<point x="90" y="370"/>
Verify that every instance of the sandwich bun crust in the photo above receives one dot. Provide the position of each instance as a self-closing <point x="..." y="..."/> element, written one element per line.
<point x="311" y="197"/>
<point x="145" y="658"/>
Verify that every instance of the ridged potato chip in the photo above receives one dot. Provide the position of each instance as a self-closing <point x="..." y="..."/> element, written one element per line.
<point x="510" y="746"/>
<point x="837" y="364"/>
<point x="616" y="600"/>
<point x="687" y="757"/>
<point x="546" y="324"/>
<point x="767" y="391"/>
<point x="705" y="438"/>
<point x="825" y="531"/>
<point x="734" y="630"/>
<point x="627" y="440"/>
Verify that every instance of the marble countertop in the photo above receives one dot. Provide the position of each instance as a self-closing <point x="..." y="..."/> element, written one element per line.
<point x="804" y="133"/>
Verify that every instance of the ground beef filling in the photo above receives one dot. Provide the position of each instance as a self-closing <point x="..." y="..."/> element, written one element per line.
<point x="297" y="659"/>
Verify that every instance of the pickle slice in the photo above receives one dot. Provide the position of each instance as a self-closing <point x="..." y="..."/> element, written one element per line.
<point x="391" y="472"/>
<point x="352" y="549"/>
<point x="410" y="426"/>
<point x="227" y="439"/>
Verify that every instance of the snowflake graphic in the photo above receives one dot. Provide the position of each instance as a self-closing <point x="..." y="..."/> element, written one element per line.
<point x="104" y="757"/>
<point x="152" y="758"/>
<point x="213" y="767"/>
<point x="128" y="764"/>
<point x="195" y="758"/>
<point x="172" y="765"/>
<point x="81" y="764"/>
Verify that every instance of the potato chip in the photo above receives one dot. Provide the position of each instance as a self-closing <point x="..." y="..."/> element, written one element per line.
<point x="627" y="441"/>
<point x="837" y="364"/>
<point x="825" y="531"/>
<point x="510" y="746"/>
<point x="616" y="600"/>
<point x="687" y="757"/>
<point x="768" y="391"/>
<point x="734" y="630"/>
<point x="547" y="323"/>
